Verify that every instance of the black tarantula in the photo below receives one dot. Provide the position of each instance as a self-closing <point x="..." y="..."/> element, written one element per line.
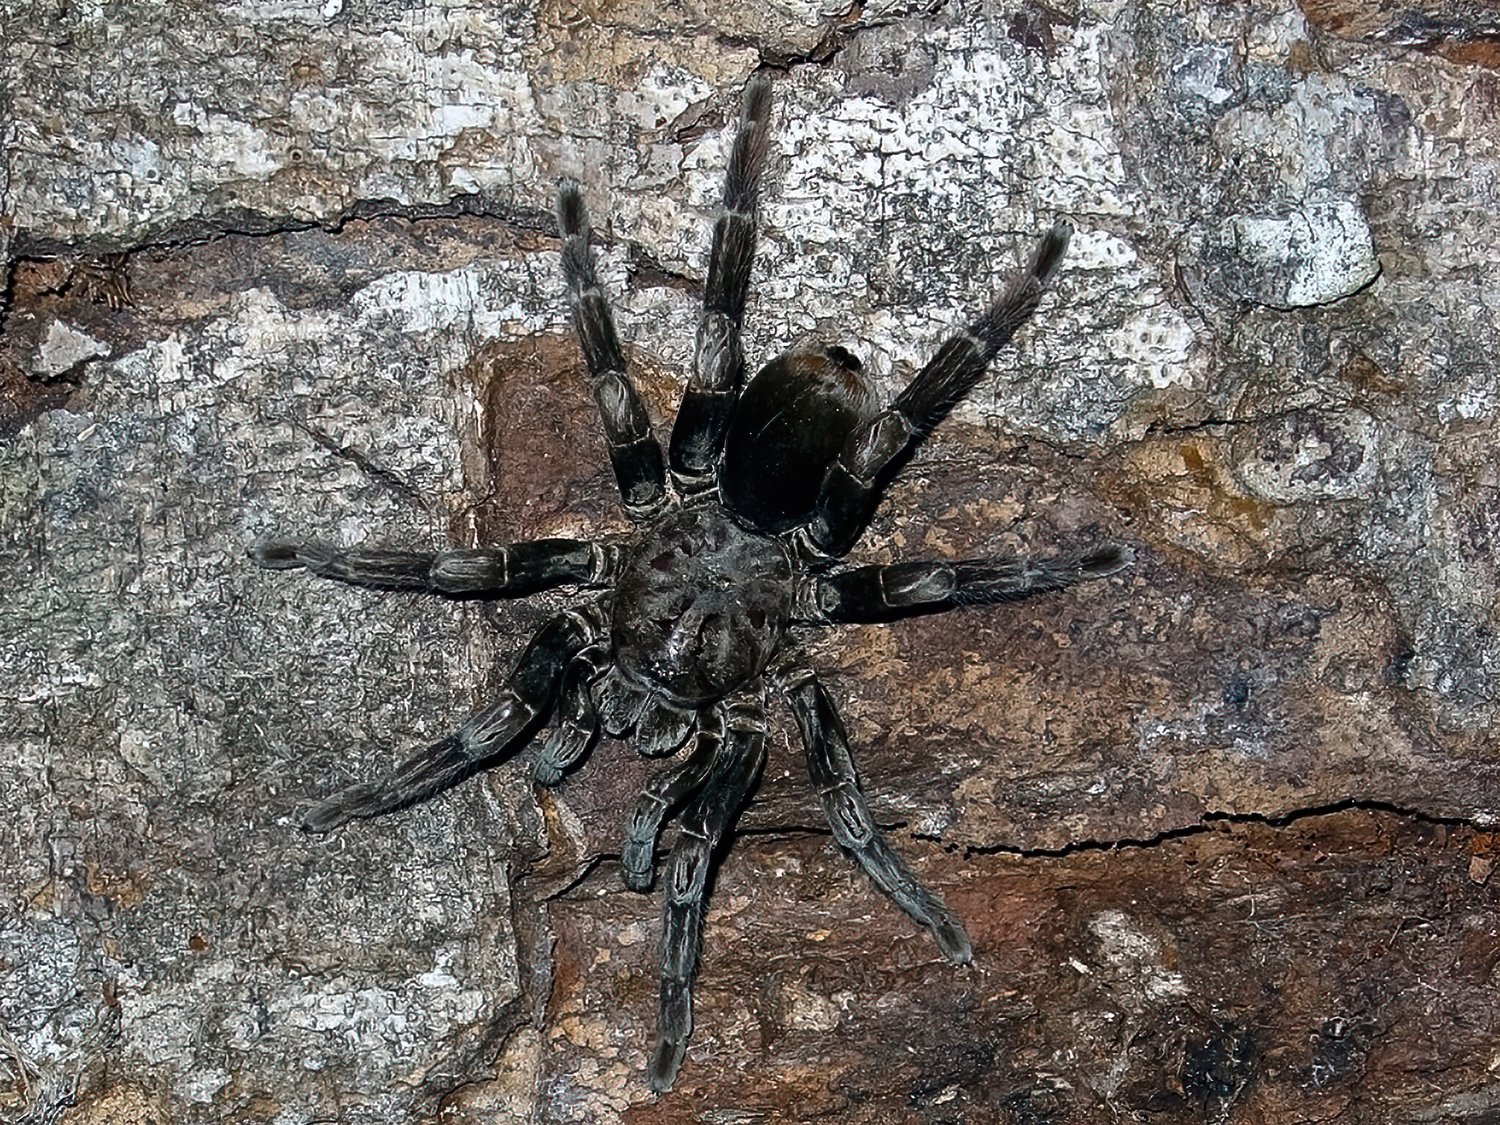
<point x="765" y="486"/>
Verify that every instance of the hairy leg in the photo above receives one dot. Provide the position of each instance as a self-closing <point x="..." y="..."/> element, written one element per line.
<point x="665" y="795"/>
<point x="521" y="568"/>
<point x="876" y="450"/>
<point x="718" y="359"/>
<point x="484" y="741"/>
<point x="577" y="725"/>
<point x="705" y="820"/>
<point x="885" y="593"/>
<point x="620" y="702"/>
<point x="633" y="451"/>
<point x="662" y="728"/>
<point x="833" y="773"/>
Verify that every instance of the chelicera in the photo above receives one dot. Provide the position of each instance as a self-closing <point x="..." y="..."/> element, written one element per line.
<point x="691" y="623"/>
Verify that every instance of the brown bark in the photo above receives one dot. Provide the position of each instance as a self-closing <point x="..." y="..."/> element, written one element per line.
<point x="1220" y="828"/>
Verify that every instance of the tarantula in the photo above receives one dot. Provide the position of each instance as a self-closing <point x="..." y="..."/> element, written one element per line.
<point x="766" y="484"/>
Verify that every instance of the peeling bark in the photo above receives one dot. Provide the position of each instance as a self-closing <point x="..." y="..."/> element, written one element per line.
<point x="1222" y="830"/>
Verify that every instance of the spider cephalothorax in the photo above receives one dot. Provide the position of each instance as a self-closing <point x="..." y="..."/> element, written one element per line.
<point x="765" y="485"/>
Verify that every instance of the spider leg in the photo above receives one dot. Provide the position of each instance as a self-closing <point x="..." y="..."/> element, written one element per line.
<point x="662" y="728"/>
<point x="664" y="795"/>
<point x="484" y="741"/>
<point x="833" y="773"/>
<point x="708" y="816"/>
<point x="577" y="726"/>
<point x="633" y="451"/>
<point x="874" y="452"/>
<point x="718" y="360"/>
<point x="886" y="593"/>
<point x="521" y="568"/>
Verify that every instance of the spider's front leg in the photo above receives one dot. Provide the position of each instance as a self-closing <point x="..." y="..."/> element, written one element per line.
<point x="836" y="780"/>
<point x="633" y="451"/>
<point x="710" y="813"/>
<point x="718" y="358"/>
<point x="485" y="740"/>
<point x="876" y="450"/>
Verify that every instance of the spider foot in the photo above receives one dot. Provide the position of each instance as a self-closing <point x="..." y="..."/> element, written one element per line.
<point x="276" y="554"/>
<point x="665" y="1063"/>
<point x="636" y="859"/>
<point x="565" y="747"/>
<point x="952" y="941"/>
<point x="421" y="776"/>
<point x="1107" y="560"/>
<point x="577" y="726"/>
<point x="341" y="808"/>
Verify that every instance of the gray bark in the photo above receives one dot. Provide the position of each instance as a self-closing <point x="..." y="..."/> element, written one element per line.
<point x="1221" y="830"/>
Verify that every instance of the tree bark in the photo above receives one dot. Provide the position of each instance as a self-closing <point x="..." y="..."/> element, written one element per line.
<point x="1221" y="829"/>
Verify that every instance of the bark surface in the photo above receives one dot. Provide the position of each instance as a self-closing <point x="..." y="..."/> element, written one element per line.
<point x="1222" y="829"/>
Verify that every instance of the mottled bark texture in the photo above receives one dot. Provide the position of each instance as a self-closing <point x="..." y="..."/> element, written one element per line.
<point x="1221" y="829"/>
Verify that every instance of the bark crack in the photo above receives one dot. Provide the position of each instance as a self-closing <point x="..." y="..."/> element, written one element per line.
<point x="253" y="225"/>
<point x="1213" y="819"/>
<point x="363" y="462"/>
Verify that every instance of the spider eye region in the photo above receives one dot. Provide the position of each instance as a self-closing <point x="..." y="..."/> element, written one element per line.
<point x="700" y="606"/>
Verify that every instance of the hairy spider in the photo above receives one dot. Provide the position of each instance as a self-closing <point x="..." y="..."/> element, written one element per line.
<point x="764" y="487"/>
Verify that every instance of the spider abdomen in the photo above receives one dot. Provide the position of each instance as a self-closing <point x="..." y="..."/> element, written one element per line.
<point x="789" y="425"/>
<point x="700" y="606"/>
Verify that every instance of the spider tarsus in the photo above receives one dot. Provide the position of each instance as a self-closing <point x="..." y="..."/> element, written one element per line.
<point x="636" y="870"/>
<point x="1109" y="559"/>
<point x="563" y="750"/>
<point x="1049" y="253"/>
<point x="747" y="158"/>
<point x="572" y="217"/>
<point x="952" y="941"/>
<point x="757" y="100"/>
<point x="335" y="812"/>
<point x="665" y="1064"/>
<point x="276" y="554"/>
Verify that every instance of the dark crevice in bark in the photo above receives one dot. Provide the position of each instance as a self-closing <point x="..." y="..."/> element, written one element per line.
<point x="838" y="32"/>
<point x="1329" y="303"/>
<point x="361" y="461"/>
<point x="446" y="1081"/>
<point x="578" y="877"/>
<point x="647" y="272"/>
<point x="1212" y="820"/>
<point x="197" y="232"/>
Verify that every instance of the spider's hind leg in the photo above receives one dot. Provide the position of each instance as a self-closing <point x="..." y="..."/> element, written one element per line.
<point x="708" y="816"/>
<point x="484" y="741"/>
<point x="831" y="767"/>
<point x="664" y="795"/>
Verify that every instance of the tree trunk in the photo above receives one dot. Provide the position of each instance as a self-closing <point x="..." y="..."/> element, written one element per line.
<point x="1221" y="828"/>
